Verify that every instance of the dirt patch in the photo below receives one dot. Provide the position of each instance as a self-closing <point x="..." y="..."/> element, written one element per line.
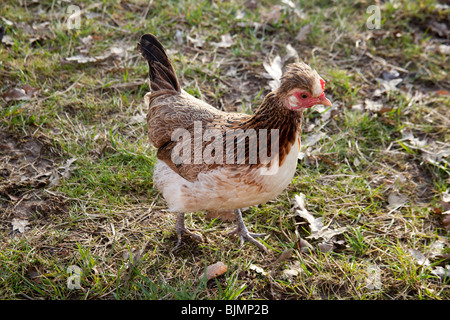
<point x="28" y="166"/>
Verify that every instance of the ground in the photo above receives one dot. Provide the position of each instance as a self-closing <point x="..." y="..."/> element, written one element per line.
<point x="366" y="216"/>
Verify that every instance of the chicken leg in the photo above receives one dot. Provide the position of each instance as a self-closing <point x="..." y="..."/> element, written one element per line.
<point x="245" y="235"/>
<point x="181" y="230"/>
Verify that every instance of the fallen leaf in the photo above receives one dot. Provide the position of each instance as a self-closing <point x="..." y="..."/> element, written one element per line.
<point x="214" y="270"/>
<point x="446" y="196"/>
<point x="358" y="107"/>
<point x="252" y="4"/>
<point x="389" y="85"/>
<point x="317" y="228"/>
<point x="290" y="53"/>
<point x="7" y="40"/>
<point x="286" y="254"/>
<point x="66" y="167"/>
<point x="373" y="105"/>
<point x="274" y="71"/>
<point x="433" y="151"/>
<point x="444" y="49"/>
<point x="7" y="22"/>
<point x="326" y="160"/>
<point x="274" y="67"/>
<point x="293" y="270"/>
<point x="226" y="41"/>
<point x="419" y="257"/>
<point x="305" y="246"/>
<point x="326" y="247"/>
<point x="179" y="36"/>
<point x="132" y="258"/>
<point x="34" y="274"/>
<point x="315" y="224"/>
<point x="437" y="249"/>
<point x="303" y="33"/>
<point x="441" y="272"/>
<point x="312" y="139"/>
<point x="327" y="233"/>
<point x="273" y="14"/>
<point x="26" y="92"/>
<point x="390" y="75"/>
<point x="115" y="52"/>
<point x="414" y="142"/>
<point x="446" y="221"/>
<point x="396" y="200"/>
<point x="20" y="225"/>
<point x="442" y="92"/>
<point x="258" y="269"/>
<point x="373" y="279"/>
<point x="197" y="42"/>
<point x="439" y="28"/>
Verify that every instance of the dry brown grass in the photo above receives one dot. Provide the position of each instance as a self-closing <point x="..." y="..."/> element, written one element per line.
<point x="76" y="166"/>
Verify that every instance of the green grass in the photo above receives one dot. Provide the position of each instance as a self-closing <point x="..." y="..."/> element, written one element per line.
<point x="103" y="214"/>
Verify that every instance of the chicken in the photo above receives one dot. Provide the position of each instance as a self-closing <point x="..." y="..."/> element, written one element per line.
<point x="209" y="159"/>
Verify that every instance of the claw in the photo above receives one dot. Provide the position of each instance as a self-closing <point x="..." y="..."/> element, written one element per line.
<point x="181" y="231"/>
<point x="245" y="235"/>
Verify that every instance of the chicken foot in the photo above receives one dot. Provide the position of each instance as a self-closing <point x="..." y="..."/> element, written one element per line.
<point x="181" y="231"/>
<point x="245" y="235"/>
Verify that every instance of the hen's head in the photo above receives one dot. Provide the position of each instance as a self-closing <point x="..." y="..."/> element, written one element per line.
<point x="302" y="87"/>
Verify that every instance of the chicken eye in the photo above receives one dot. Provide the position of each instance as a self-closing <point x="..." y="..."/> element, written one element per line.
<point x="304" y="96"/>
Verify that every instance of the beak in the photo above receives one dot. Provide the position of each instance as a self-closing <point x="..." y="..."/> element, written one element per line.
<point x="324" y="101"/>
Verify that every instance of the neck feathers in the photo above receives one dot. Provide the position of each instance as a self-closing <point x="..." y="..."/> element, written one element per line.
<point x="272" y="114"/>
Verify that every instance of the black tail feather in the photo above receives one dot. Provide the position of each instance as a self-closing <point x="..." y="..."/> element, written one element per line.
<point x="162" y="75"/>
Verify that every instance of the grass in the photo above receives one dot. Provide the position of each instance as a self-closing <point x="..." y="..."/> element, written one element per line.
<point x="75" y="162"/>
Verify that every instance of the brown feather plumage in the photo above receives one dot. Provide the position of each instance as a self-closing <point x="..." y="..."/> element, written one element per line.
<point x="220" y="185"/>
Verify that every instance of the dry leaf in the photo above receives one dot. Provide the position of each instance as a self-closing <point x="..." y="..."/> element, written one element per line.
<point x="290" y="53"/>
<point x="444" y="49"/>
<point x="315" y="224"/>
<point x="226" y="41"/>
<point x="312" y="139"/>
<point x="20" y="225"/>
<point x="414" y="142"/>
<point x="197" y="42"/>
<point x="446" y="221"/>
<point x="303" y="33"/>
<point x="274" y="71"/>
<point x="114" y="52"/>
<point x="439" y="28"/>
<point x="214" y="270"/>
<point x="419" y="257"/>
<point x="34" y="274"/>
<point x="66" y="167"/>
<point x="17" y="94"/>
<point x="373" y="105"/>
<point x="272" y="15"/>
<point x="327" y="234"/>
<point x="286" y="254"/>
<point x="179" y="36"/>
<point x="274" y="67"/>
<point x="396" y="200"/>
<point x="373" y="279"/>
<point x="258" y="269"/>
<point x="293" y="270"/>
<point x="442" y="273"/>
<point x="442" y="92"/>
<point x="7" y="40"/>
<point x="305" y="246"/>
<point x="318" y="229"/>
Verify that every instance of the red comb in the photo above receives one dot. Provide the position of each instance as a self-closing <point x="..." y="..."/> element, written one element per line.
<point x="322" y="83"/>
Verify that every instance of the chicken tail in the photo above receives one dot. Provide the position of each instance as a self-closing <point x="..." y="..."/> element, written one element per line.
<point x="162" y="75"/>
